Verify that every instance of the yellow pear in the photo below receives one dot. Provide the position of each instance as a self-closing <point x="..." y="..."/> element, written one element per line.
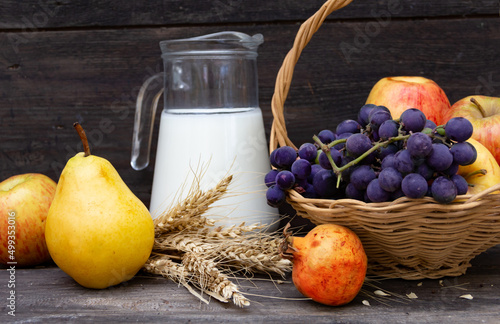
<point x="97" y="230"/>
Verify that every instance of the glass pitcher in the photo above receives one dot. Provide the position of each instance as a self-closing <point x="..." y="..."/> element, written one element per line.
<point x="211" y="126"/>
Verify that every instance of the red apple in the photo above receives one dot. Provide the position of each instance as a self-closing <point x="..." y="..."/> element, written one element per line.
<point x="404" y="92"/>
<point x="24" y="204"/>
<point x="485" y="162"/>
<point x="484" y="114"/>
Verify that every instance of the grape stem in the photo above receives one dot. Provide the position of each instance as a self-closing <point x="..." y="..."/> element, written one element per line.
<point x="338" y="170"/>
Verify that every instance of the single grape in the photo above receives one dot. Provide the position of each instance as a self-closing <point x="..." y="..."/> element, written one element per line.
<point x="414" y="186"/>
<point x="301" y="169"/>
<point x="403" y="162"/>
<point x="340" y="146"/>
<point x="440" y="157"/>
<point x="388" y="162"/>
<point x="388" y="129"/>
<point x="390" y="179"/>
<point x="336" y="156"/>
<point x="315" y="168"/>
<point x="430" y="124"/>
<point x="464" y="153"/>
<point x="378" y="108"/>
<point x="419" y="145"/>
<point x="452" y="169"/>
<point x="364" y="113"/>
<point x="376" y="193"/>
<point x="325" y="162"/>
<point x="285" y="180"/>
<point x="425" y="171"/>
<point x="325" y="183"/>
<point x="418" y="161"/>
<point x="285" y="156"/>
<point x="308" y="151"/>
<point x="272" y="158"/>
<point x="460" y="183"/>
<point x="326" y="136"/>
<point x="443" y="190"/>
<point x="353" y="193"/>
<point x="387" y="150"/>
<point x="346" y="174"/>
<point x="458" y="129"/>
<point x="357" y="144"/>
<point x="270" y="177"/>
<point x="361" y="176"/>
<point x="348" y="126"/>
<point x="275" y="196"/>
<point x="370" y="158"/>
<point x="413" y="120"/>
<point x="378" y="117"/>
<point x="309" y="191"/>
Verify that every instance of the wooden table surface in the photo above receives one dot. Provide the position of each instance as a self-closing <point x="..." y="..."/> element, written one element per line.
<point x="48" y="295"/>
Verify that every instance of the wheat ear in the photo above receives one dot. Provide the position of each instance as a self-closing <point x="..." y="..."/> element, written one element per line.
<point x="210" y="279"/>
<point x="188" y="214"/>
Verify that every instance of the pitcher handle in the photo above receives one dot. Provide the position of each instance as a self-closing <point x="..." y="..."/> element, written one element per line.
<point x="145" y="112"/>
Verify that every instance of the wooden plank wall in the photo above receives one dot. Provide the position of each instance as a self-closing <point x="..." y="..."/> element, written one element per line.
<point x="63" y="61"/>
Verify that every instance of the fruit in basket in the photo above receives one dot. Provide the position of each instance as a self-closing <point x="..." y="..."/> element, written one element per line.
<point x="384" y="159"/>
<point x="329" y="263"/>
<point x="484" y="172"/>
<point x="24" y="204"/>
<point x="403" y="92"/>
<point x="484" y="114"/>
<point x="97" y="230"/>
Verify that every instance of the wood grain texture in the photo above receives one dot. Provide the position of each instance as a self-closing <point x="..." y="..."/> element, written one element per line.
<point x="48" y="14"/>
<point x="47" y="294"/>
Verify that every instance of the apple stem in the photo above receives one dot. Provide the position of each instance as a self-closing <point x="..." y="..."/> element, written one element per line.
<point x="477" y="172"/>
<point x="474" y="101"/>
<point x="83" y="138"/>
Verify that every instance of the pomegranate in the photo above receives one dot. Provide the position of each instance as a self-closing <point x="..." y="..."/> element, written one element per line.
<point x="329" y="263"/>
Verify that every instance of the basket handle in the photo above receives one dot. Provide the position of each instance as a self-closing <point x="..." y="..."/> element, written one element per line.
<point x="279" y="134"/>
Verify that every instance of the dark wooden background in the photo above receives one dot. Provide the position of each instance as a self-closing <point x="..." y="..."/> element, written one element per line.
<point x="63" y="61"/>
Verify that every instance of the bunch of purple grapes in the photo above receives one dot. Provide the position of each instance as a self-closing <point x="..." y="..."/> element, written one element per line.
<point x="376" y="159"/>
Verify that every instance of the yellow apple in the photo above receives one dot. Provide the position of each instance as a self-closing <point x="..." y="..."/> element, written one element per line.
<point x="484" y="114"/>
<point x="25" y="200"/>
<point x="404" y="92"/>
<point x="485" y="161"/>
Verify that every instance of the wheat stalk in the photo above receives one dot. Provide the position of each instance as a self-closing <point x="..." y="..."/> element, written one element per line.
<point x="190" y="251"/>
<point x="252" y="255"/>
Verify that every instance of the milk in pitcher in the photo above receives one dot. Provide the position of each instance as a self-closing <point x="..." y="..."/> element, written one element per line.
<point x="213" y="144"/>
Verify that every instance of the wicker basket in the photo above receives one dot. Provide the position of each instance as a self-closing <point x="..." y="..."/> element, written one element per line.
<point x="406" y="238"/>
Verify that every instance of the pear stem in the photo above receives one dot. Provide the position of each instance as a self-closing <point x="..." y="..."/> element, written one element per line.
<point x="481" y="109"/>
<point x="83" y="138"/>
